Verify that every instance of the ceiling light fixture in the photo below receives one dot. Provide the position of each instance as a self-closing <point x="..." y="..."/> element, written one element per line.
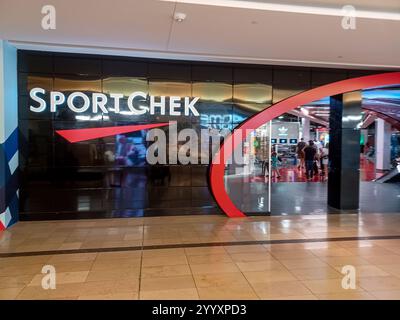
<point x="179" y="16"/>
<point x="380" y="15"/>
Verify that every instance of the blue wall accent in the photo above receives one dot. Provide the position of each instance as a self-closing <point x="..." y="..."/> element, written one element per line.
<point x="8" y="135"/>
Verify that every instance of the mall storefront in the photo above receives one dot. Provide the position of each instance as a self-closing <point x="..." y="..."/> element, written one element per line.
<point x="108" y="175"/>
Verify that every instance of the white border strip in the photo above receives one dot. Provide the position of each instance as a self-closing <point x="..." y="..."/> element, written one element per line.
<point x="326" y="11"/>
<point x="152" y="54"/>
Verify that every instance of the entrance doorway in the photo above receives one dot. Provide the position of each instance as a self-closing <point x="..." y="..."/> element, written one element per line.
<point x="281" y="187"/>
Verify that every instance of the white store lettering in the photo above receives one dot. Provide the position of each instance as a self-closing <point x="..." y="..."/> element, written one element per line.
<point x="138" y="103"/>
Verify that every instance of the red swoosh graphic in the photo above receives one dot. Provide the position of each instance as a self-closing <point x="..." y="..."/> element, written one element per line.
<point x="217" y="167"/>
<point x="78" y="135"/>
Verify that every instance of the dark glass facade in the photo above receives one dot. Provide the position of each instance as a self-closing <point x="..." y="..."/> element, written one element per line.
<point x="94" y="178"/>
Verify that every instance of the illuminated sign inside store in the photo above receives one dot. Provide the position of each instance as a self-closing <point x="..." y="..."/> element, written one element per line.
<point x="138" y="103"/>
<point x="285" y="131"/>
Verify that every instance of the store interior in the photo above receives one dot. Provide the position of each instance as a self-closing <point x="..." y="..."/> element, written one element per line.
<point x="262" y="186"/>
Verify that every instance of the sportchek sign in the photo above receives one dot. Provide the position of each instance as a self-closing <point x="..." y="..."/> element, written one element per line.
<point x="138" y="103"/>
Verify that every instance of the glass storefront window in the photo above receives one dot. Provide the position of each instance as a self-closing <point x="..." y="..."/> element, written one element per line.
<point x="252" y="93"/>
<point x="169" y="88"/>
<point x="77" y="84"/>
<point x="39" y="82"/>
<point x="246" y="175"/>
<point x="212" y="91"/>
<point x="124" y="85"/>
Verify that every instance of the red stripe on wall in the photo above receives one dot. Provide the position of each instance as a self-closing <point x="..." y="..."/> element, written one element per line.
<point x="78" y="135"/>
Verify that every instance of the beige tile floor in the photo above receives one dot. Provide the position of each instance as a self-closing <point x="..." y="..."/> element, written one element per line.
<point x="300" y="270"/>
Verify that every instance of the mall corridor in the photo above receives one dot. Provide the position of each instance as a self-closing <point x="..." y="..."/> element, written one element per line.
<point x="228" y="153"/>
<point x="204" y="257"/>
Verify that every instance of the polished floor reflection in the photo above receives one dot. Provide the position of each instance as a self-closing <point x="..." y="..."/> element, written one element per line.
<point x="292" y="193"/>
<point x="204" y="257"/>
<point x="292" y="173"/>
<point x="308" y="197"/>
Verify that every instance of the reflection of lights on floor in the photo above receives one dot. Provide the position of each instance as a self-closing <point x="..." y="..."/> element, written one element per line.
<point x="261" y="202"/>
<point x="291" y="173"/>
<point x="286" y="223"/>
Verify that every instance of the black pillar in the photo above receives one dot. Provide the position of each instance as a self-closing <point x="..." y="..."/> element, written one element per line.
<point x="344" y="151"/>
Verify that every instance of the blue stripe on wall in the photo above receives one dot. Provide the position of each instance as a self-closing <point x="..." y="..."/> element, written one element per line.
<point x="11" y="144"/>
<point x="9" y="183"/>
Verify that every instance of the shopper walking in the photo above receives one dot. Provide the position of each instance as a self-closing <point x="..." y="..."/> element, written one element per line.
<point x="309" y="156"/>
<point x="300" y="154"/>
<point x="318" y="145"/>
<point x="265" y="162"/>
<point x="325" y="159"/>
<point x="274" y="165"/>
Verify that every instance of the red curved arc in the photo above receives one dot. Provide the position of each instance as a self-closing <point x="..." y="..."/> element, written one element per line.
<point x="217" y="167"/>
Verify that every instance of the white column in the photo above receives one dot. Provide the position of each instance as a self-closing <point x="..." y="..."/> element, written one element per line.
<point x="383" y="133"/>
<point x="8" y="135"/>
<point x="305" y="129"/>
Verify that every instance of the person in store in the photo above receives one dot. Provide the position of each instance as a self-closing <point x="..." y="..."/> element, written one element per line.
<point x="265" y="159"/>
<point x="318" y="145"/>
<point x="275" y="160"/>
<point x="310" y="154"/>
<point x="300" y="154"/>
<point x="318" y="161"/>
<point x="325" y="159"/>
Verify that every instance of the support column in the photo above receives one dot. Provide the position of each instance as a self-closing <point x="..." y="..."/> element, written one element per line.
<point x="8" y="136"/>
<point x="383" y="132"/>
<point x="305" y="129"/>
<point x="344" y="151"/>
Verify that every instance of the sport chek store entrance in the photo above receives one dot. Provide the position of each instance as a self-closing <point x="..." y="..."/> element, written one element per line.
<point x="69" y="176"/>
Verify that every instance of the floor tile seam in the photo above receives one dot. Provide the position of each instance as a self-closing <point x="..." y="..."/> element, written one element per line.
<point x="194" y="245"/>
